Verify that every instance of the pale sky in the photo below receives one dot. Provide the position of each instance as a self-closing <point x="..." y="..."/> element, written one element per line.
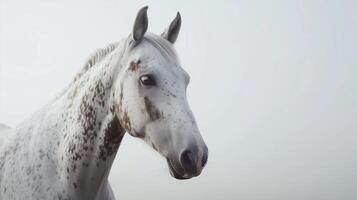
<point x="273" y="88"/>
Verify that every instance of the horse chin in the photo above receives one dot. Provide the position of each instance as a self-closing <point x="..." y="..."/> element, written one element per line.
<point x="174" y="173"/>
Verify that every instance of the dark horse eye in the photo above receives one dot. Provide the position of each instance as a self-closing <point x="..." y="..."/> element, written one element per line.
<point x="147" y="80"/>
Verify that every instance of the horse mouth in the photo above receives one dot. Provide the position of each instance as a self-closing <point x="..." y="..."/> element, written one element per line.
<point x="174" y="172"/>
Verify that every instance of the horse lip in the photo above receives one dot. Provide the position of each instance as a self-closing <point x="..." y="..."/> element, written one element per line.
<point x="173" y="171"/>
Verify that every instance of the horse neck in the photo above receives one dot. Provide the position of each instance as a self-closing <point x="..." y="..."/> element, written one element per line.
<point x="92" y="131"/>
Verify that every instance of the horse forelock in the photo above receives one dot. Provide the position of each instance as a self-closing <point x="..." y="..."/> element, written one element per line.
<point x="161" y="44"/>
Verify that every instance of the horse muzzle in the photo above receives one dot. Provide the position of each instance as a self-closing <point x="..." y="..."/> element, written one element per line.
<point x="189" y="164"/>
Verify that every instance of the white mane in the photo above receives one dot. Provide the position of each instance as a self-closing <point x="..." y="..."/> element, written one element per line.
<point x="96" y="57"/>
<point x="92" y="60"/>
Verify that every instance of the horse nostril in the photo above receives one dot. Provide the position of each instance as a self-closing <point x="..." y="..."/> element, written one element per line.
<point x="187" y="161"/>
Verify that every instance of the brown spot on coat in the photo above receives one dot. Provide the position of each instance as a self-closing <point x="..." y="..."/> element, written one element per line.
<point x="77" y="156"/>
<point x="134" y="65"/>
<point x="153" y="112"/>
<point x="126" y="122"/>
<point x="113" y="134"/>
<point x="87" y="117"/>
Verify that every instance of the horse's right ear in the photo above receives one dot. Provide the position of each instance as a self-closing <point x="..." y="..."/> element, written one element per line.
<point x="140" y="25"/>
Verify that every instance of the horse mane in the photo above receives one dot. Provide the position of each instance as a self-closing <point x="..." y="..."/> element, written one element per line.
<point x="95" y="58"/>
<point x="92" y="60"/>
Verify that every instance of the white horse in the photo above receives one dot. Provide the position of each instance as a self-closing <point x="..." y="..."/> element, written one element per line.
<point x="66" y="150"/>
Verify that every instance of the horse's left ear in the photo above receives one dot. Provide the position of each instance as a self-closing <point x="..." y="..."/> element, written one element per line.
<point x="172" y="32"/>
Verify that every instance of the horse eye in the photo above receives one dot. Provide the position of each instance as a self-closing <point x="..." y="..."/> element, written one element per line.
<point x="147" y="80"/>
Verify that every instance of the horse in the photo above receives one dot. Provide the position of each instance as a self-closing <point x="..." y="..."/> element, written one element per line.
<point x="137" y="86"/>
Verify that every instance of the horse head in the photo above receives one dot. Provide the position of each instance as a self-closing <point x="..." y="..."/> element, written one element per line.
<point x="150" y="98"/>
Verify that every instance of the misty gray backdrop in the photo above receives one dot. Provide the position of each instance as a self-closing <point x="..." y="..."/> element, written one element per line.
<point x="273" y="88"/>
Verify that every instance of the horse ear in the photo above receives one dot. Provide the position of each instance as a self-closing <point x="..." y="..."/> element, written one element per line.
<point x="140" y="24"/>
<point x="172" y="32"/>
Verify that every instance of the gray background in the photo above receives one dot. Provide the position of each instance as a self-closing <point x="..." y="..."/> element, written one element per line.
<point x="273" y="87"/>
